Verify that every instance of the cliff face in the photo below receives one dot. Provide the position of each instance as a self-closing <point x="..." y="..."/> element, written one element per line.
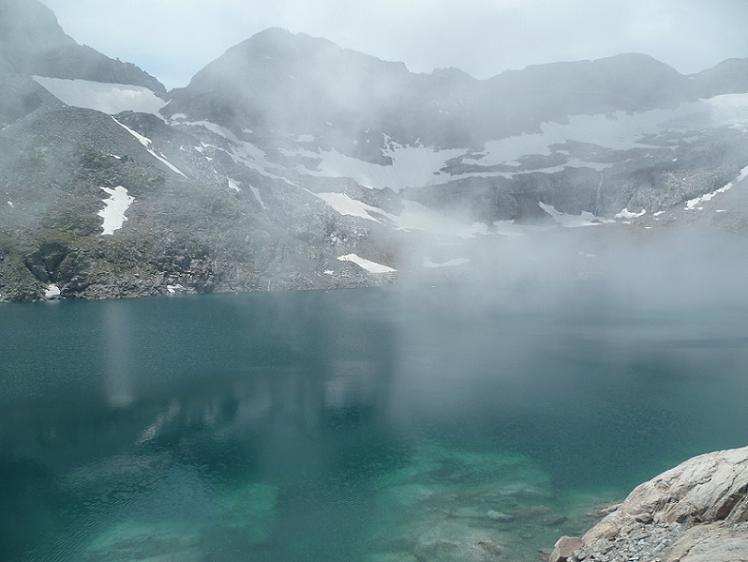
<point x="696" y="512"/>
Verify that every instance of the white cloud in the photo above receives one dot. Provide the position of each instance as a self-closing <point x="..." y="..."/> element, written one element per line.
<point x="175" y="38"/>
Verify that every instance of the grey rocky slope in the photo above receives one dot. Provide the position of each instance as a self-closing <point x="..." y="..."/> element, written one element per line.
<point x="626" y="132"/>
<point x="292" y="163"/>
<point x="33" y="43"/>
<point x="696" y="512"/>
<point x="728" y="77"/>
<point x="278" y="82"/>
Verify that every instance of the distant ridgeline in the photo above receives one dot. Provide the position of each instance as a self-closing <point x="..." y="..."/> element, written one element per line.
<point x="291" y="163"/>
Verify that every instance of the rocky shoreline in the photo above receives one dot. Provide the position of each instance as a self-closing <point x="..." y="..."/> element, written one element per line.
<point x="696" y="512"/>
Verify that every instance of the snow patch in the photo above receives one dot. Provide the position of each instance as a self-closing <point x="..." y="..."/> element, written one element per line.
<point x="52" y="292"/>
<point x="742" y="175"/>
<point x="370" y="266"/>
<point x="698" y="202"/>
<point x="11" y="205"/>
<point x="412" y="166"/>
<point x="413" y="217"/>
<point x="235" y="185"/>
<point x="104" y="97"/>
<point x="344" y="205"/>
<point x="258" y="196"/>
<point x="174" y="289"/>
<point x="114" y="209"/>
<point x="148" y="144"/>
<point x="625" y="214"/>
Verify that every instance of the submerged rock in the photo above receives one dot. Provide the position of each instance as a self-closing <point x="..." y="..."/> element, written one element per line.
<point x="696" y="512"/>
<point x="445" y="504"/>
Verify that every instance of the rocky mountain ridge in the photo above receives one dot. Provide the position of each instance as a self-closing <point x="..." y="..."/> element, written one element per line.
<point x="290" y="163"/>
<point x="277" y="83"/>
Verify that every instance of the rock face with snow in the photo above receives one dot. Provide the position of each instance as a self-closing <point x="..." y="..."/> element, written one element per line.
<point x="697" y="511"/>
<point x="588" y="136"/>
<point x="291" y="163"/>
<point x="278" y="82"/>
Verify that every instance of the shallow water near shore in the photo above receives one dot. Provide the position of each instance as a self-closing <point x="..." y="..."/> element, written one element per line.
<point x="368" y="425"/>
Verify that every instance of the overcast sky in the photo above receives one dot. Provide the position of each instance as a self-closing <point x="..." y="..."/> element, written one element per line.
<point x="173" y="39"/>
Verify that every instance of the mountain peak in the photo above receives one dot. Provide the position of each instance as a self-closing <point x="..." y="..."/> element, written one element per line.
<point x="272" y="33"/>
<point x="452" y="73"/>
<point x="33" y="42"/>
<point x="30" y="24"/>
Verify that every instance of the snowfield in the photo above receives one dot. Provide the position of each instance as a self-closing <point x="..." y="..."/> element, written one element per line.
<point x="370" y="266"/>
<point x="420" y="166"/>
<point x="114" y="209"/>
<point x="625" y="214"/>
<point x="52" y="292"/>
<point x="100" y="96"/>
<point x="414" y="217"/>
<point x="412" y="166"/>
<point x="347" y="206"/>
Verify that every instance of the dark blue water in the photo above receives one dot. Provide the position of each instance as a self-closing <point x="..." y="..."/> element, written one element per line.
<point x="373" y="425"/>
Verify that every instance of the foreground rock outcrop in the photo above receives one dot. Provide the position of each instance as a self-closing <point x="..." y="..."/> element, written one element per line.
<point x="696" y="512"/>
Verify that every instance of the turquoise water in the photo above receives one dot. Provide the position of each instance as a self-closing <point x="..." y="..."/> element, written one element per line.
<point x="372" y="425"/>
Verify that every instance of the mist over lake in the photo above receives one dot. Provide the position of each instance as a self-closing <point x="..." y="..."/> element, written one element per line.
<point x="340" y="426"/>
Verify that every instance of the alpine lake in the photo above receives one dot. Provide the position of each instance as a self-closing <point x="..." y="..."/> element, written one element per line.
<point x="373" y="425"/>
